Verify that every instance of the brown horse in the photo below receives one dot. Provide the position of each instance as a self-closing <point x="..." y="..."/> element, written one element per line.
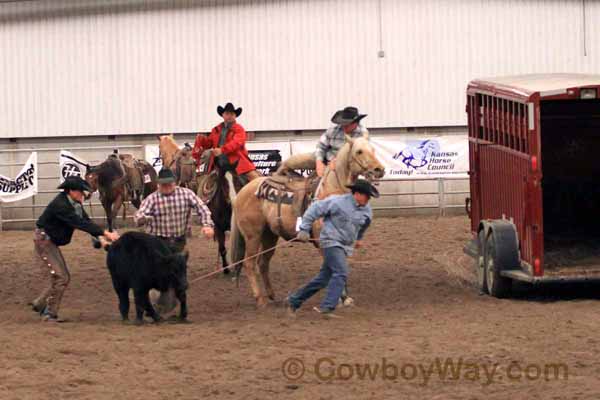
<point x="258" y="224"/>
<point x="120" y="179"/>
<point x="179" y="160"/>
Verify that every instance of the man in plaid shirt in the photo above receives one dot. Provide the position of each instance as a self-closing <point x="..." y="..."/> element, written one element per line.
<point x="166" y="212"/>
<point x="346" y="122"/>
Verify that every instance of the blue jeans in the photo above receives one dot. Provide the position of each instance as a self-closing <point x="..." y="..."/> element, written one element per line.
<point x="333" y="275"/>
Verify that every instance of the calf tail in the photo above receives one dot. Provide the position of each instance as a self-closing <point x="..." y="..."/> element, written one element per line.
<point x="238" y="246"/>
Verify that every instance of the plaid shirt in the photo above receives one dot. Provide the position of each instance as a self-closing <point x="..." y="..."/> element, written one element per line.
<point x="168" y="216"/>
<point x="332" y="141"/>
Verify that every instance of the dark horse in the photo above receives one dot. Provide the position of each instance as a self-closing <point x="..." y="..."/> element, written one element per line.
<point x="216" y="189"/>
<point x="117" y="182"/>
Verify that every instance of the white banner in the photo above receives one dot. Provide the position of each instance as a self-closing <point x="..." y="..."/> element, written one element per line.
<point x="71" y="165"/>
<point x="24" y="185"/>
<point x="152" y="155"/>
<point x="426" y="157"/>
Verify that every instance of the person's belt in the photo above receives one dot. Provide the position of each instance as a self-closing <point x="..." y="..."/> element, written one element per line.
<point x="172" y="239"/>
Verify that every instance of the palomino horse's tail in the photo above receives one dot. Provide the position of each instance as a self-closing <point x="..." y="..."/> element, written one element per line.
<point x="238" y="246"/>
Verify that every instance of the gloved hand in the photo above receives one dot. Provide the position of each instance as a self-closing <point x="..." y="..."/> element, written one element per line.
<point x="303" y="236"/>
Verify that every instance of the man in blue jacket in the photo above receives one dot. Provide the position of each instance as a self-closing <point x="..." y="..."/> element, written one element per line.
<point x="345" y="220"/>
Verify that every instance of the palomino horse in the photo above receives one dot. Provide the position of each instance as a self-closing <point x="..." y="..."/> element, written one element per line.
<point x="179" y="160"/>
<point x="259" y="223"/>
<point x="120" y="180"/>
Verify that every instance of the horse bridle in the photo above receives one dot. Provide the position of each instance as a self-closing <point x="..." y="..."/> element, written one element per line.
<point x="364" y="168"/>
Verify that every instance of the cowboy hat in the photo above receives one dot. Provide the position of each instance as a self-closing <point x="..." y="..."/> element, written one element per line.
<point x="363" y="186"/>
<point x="347" y="116"/>
<point x="75" y="183"/>
<point x="165" y="176"/>
<point x="229" y="108"/>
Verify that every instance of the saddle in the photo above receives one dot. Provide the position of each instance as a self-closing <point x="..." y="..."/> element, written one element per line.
<point x="185" y="168"/>
<point x="292" y="189"/>
<point x="134" y="171"/>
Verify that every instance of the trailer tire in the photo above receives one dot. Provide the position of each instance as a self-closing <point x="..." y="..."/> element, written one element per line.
<point x="497" y="285"/>
<point x="480" y="263"/>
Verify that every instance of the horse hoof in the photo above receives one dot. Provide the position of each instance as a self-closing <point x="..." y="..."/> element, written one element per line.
<point x="138" y="322"/>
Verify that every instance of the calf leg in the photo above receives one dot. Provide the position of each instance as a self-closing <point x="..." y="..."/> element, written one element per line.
<point x="123" y="294"/>
<point x="183" y="311"/>
<point x="142" y="303"/>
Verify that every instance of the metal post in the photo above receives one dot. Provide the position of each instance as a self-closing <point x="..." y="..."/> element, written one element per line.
<point x="0" y="216"/>
<point x="441" y="197"/>
<point x="33" y="207"/>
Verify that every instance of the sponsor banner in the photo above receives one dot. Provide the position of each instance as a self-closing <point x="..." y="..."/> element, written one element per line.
<point x="71" y="165"/>
<point x="152" y="155"/>
<point x="24" y="185"/>
<point x="427" y="157"/>
<point x="266" y="156"/>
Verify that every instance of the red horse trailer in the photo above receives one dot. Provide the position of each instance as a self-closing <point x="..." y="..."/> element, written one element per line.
<point x="534" y="152"/>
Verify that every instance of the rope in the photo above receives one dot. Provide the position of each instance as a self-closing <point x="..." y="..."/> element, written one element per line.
<point x="287" y="242"/>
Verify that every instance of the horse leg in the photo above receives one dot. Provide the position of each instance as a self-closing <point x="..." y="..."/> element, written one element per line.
<point x="116" y="206"/>
<point x="107" y="205"/>
<point x="252" y="247"/>
<point x="269" y="240"/>
<point x="220" y="236"/>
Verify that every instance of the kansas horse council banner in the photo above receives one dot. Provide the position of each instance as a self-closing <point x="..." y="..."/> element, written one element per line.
<point x="24" y="185"/>
<point x="424" y="157"/>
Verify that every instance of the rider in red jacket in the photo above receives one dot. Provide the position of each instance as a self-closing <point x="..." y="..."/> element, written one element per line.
<point x="227" y="138"/>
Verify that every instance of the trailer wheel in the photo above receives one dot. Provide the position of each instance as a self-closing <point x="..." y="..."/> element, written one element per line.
<point x="480" y="263"/>
<point x="497" y="285"/>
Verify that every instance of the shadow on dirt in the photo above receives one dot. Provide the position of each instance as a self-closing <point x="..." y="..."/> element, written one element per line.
<point x="555" y="292"/>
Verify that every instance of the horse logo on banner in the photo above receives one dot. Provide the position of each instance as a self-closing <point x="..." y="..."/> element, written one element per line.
<point x="418" y="154"/>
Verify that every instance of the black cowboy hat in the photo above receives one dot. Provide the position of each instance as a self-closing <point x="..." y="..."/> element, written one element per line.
<point x="75" y="183"/>
<point x="347" y="116"/>
<point x="229" y="108"/>
<point x="363" y="186"/>
<point x="165" y="175"/>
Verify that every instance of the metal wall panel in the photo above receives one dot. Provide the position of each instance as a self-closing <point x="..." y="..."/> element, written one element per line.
<point x="114" y="67"/>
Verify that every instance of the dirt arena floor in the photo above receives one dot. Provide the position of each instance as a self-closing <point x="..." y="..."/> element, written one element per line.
<point x="419" y="330"/>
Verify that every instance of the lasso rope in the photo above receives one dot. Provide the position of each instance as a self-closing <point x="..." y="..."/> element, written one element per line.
<point x="286" y="243"/>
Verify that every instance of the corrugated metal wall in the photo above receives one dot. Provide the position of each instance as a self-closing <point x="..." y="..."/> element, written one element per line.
<point x="108" y="67"/>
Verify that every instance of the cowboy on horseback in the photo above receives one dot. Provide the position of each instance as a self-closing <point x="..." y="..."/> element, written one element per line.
<point x="346" y="122"/>
<point x="228" y="143"/>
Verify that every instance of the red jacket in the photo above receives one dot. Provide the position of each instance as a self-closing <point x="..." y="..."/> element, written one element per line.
<point x="234" y="147"/>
